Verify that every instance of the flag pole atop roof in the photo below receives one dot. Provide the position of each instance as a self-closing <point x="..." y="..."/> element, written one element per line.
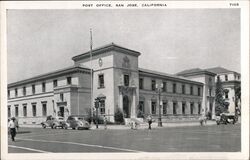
<point x="91" y="74"/>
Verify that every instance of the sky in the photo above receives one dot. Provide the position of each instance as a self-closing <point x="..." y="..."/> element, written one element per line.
<point x="169" y="40"/>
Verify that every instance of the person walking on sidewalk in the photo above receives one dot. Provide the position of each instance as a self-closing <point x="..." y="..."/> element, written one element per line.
<point x="105" y="122"/>
<point x="12" y="128"/>
<point x="149" y="119"/>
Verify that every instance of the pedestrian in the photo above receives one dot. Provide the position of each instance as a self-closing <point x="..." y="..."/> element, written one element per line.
<point x="105" y="122"/>
<point x="201" y="120"/>
<point x="149" y="119"/>
<point x="12" y="128"/>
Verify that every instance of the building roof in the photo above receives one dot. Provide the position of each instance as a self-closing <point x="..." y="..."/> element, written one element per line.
<point x="219" y="70"/>
<point x="195" y="71"/>
<point x="54" y="74"/>
<point x="168" y="76"/>
<point x="106" y="48"/>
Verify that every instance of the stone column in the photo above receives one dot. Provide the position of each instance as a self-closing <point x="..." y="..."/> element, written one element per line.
<point x="133" y="105"/>
<point x="120" y="101"/>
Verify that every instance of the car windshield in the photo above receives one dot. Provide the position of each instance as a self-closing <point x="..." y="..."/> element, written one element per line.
<point x="80" y="118"/>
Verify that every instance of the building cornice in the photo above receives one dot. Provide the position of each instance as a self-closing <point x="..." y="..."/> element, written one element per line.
<point x="153" y="74"/>
<point x="205" y="72"/>
<point x="50" y="75"/>
<point x="104" y="49"/>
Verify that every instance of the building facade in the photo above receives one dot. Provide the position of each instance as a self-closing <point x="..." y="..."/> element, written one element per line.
<point x="118" y="82"/>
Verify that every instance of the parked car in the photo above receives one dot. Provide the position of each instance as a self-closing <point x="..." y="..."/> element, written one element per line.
<point x="54" y="122"/>
<point x="77" y="122"/>
<point x="226" y="118"/>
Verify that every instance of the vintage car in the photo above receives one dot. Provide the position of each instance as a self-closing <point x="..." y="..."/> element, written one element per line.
<point x="226" y="118"/>
<point x="54" y="122"/>
<point x="77" y="122"/>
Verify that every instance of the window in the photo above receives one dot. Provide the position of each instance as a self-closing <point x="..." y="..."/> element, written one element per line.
<point x="34" y="110"/>
<point x="25" y="110"/>
<point x="153" y="107"/>
<point x="101" y="81"/>
<point x="210" y="92"/>
<point x="55" y="83"/>
<point x="61" y="96"/>
<point x="33" y="89"/>
<point x="218" y="77"/>
<point x="43" y="87"/>
<point x="199" y="91"/>
<point x="183" y="89"/>
<point x="8" y="93"/>
<point x="191" y="90"/>
<point x="9" y="111"/>
<point x="226" y="78"/>
<point x="24" y="91"/>
<point x="16" y="92"/>
<point x="164" y="88"/>
<point x="226" y="94"/>
<point x="174" y="108"/>
<point x="102" y="107"/>
<point x="153" y="85"/>
<point x="191" y="108"/>
<point x="141" y="106"/>
<point x="141" y="83"/>
<point x="44" y="109"/>
<point x="183" y="107"/>
<point x="16" y="111"/>
<point x="68" y="80"/>
<point x="174" y="88"/>
<point x="126" y="80"/>
<point x="164" y="108"/>
<point x="199" y="108"/>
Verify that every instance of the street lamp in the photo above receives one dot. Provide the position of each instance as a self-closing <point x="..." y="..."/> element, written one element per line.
<point x="158" y="90"/>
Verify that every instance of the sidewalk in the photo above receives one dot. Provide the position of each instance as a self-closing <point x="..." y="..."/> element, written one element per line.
<point x="141" y="126"/>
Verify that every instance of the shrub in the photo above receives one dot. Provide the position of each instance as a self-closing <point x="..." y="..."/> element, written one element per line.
<point x="119" y="119"/>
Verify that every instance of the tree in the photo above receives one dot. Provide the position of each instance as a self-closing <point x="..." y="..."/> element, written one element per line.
<point x="219" y="99"/>
<point x="119" y="116"/>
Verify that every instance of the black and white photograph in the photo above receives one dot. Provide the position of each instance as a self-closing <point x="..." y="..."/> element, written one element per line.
<point x="125" y="80"/>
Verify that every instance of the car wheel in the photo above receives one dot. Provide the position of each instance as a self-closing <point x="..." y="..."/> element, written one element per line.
<point x="73" y="128"/>
<point x="44" y="126"/>
<point x="54" y="126"/>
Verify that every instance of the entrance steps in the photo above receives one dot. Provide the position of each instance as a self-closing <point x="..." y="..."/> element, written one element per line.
<point x="133" y="120"/>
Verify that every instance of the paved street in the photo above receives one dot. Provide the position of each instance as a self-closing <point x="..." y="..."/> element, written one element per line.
<point x="222" y="138"/>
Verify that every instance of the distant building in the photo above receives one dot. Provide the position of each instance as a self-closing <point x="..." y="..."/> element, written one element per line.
<point x="119" y="83"/>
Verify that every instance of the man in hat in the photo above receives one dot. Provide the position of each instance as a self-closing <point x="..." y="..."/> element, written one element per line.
<point x="12" y="128"/>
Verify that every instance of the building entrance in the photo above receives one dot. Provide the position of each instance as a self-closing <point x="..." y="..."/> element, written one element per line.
<point x="126" y="108"/>
<point x="61" y="111"/>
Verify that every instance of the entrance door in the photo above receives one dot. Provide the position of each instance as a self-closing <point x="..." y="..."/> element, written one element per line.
<point x="126" y="107"/>
<point x="61" y="111"/>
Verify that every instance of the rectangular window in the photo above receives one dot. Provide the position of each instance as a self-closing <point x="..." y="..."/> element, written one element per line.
<point x="174" y="88"/>
<point x="34" y="110"/>
<point x="199" y="108"/>
<point x="199" y="91"/>
<point x="153" y="107"/>
<point x="33" y="89"/>
<point x="43" y="87"/>
<point x="55" y="83"/>
<point x="102" y="107"/>
<point x="226" y="78"/>
<point x="174" y="108"/>
<point x="153" y="85"/>
<point x="191" y="108"/>
<point x="16" y="111"/>
<point x="25" y="110"/>
<point x="61" y="97"/>
<point x="68" y="80"/>
<point x="141" y="83"/>
<point x="16" y="92"/>
<point x="191" y="90"/>
<point x="226" y="95"/>
<point x="164" y="87"/>
<point x="126" y="80"/>
<point x="210" y="92"/>
<point x="101" y="81"/>
<point x="141" y="106"/>
<point x="24" y="91"/>
<point x="183" y="107"/>
<point x="9" y="111"/>
<point x="183" y="89"/>
<point x="8" y="93"/>
<point x="164" y="108"/>
<point x="44" y="109"/>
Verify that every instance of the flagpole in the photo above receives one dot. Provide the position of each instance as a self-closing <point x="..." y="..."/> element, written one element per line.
<point x="91" y="76"/>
